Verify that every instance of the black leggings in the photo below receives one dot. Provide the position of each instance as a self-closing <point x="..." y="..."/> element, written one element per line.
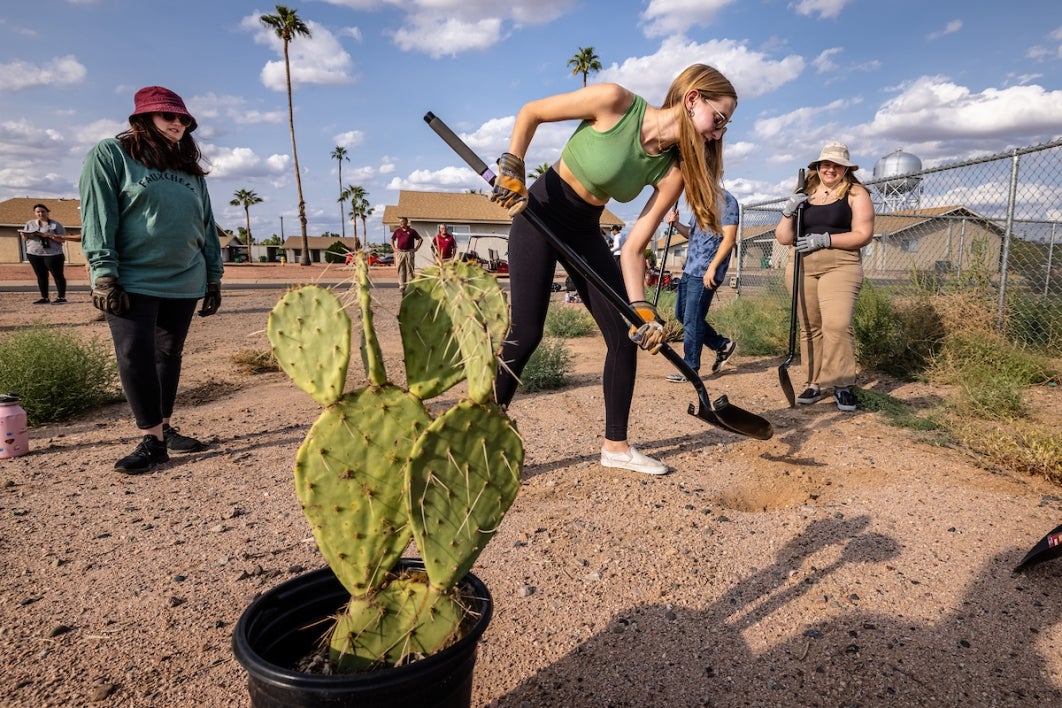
<point x="532" y="262"/>
<point x="42" y="266"/>
<point x="149" y="343"/>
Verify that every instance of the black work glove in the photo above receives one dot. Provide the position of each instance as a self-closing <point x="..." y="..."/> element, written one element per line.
<point x="211" y="301"/>
<point x="650" y="335"/>
<point x="108" y="296"/>
<point x="510" y="186"/>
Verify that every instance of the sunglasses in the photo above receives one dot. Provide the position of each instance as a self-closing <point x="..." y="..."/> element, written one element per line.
<point x="169" y="117"/>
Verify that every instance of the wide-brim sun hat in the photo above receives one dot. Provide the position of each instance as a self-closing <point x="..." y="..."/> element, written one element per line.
<point x="157" y="99"/>
<point x="836" y="153"/>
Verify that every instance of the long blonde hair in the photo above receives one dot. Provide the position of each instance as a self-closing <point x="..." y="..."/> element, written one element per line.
<point x="700" y="161"/>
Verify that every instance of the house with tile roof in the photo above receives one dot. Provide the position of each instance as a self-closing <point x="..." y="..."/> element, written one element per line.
<point x="471" y="217"/>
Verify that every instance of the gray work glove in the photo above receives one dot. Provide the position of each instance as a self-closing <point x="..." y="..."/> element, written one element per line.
<point x="793" y="203"/>
<point x="510" y="186"/>
<point x="211" y="301"/>
<point x="809" y="243"/>
<point x="108" y="296"/>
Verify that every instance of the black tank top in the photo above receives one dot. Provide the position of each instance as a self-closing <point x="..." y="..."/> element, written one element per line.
<point x="835" y="218"/>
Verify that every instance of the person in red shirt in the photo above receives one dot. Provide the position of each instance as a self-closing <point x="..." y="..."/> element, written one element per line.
<point x="443" y="244"/>
<point x="405" y="241"/>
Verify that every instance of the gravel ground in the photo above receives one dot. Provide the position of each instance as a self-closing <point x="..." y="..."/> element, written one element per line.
<point x="841" y="563"/>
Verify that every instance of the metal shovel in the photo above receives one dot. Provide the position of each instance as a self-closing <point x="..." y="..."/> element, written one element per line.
<point x="783" y="369"/>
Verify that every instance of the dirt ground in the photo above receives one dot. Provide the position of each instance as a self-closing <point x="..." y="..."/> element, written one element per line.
<point x="841" y="563"/>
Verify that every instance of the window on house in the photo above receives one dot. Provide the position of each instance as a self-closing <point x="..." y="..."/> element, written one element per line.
<point x="908" y="245"/>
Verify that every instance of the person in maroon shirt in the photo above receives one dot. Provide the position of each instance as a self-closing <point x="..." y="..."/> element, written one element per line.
<point x="443" y="244"/>
<point x="405" y="241"/>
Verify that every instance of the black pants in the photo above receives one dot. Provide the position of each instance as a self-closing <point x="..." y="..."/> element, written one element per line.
<point x="42" y="266"/>
<point x="149" y="343"/>
<point x="532" y="262"/>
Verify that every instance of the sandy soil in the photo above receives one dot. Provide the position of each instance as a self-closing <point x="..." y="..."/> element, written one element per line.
<point x="841" y="563"/>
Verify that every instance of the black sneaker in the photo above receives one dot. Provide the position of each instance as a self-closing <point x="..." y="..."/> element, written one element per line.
<point x="811" y="395"/>
<point x="42" y="301"/>
<point x="60" y="301"/>
<point x="723" y="353"/>
<point x="175" y="442"/>
<point x="150" y="452"/>
<point x="845" y="399"/>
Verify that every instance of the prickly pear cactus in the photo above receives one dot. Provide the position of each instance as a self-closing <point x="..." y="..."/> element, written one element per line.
<point x="376" y="470"/>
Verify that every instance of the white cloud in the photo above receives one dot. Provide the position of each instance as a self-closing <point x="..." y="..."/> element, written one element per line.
<point x="950" y="28"/>
<point x="438" y="37"/>
<point x="448" y="179"/>
<point x="663" y="17"/>
<point x="825" y="9"/>
<point x="242" y="162"/>
<point x="933" y="108"/>
<point x="318" y="59"/>
<point x="231" y="109"/>
<point x="752" y="73"/>
<point x="61" y="71"/>
<point x="350" y="138"/>
<point x="824" y="63"/>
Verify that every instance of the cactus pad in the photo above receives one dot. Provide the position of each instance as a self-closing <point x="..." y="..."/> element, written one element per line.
<point x="464" y="473"/>
<point x="348" y="476"/>
<point x="404" y="621"/>
<point x="433" y="359"/>
<point x="310" y="334"/>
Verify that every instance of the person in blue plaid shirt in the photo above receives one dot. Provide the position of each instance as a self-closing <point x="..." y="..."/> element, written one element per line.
<point x="707" y="261"/>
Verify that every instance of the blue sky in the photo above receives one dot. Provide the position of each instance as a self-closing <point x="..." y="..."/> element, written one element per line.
<point x="944" y="80"/>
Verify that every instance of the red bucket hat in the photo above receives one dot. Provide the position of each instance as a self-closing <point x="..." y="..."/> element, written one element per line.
<point x="156" y="99"/>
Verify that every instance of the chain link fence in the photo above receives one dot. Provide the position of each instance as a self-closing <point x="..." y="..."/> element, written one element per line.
<point x="993" y="221"/>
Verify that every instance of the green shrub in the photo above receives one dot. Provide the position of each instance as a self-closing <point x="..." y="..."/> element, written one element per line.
<point x="896" y="412"/>
<point x="566" y="322"/>
<point x="336" y="253"/>
<point x="898" y="337"/>
<point x="547" y="368"/>
<point x="756" y="322"/>
<point x="55" y="373"/>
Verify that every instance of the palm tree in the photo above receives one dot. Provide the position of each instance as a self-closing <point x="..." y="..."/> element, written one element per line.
<point x="540" y="170"/>
<point x="340" y="154"/>
<point x="288" y="25"/>
<point x="245" y="198"/>
<point x="583" y="62"/>
<point x="361" y="208"/>
<point x="353" y="194"/>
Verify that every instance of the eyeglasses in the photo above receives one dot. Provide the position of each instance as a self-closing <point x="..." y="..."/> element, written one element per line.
<point x="170" y="117"/>
<point x="721" y="127"/>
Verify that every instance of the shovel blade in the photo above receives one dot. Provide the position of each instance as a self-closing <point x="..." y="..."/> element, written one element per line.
<point x="787" y="384"/>
<point x="726" y="415"/>
<point x="1050" y="546"/>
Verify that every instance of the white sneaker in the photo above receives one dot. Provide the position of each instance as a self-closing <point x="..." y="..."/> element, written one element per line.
<point x="632" y="460"/>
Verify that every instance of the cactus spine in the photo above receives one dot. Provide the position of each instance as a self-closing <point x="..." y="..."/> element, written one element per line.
<point x="377" y="470"/>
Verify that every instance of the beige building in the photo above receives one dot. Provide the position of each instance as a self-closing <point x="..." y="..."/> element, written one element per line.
<point x="474" y="220"/>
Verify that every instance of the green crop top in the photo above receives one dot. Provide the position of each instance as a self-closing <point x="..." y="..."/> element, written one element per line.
<point x="613" y="163"/>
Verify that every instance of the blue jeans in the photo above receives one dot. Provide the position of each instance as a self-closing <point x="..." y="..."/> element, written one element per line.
<point x="692" y="308"/>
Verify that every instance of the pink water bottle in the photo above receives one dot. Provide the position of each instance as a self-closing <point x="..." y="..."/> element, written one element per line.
<point x="14" y="436"/>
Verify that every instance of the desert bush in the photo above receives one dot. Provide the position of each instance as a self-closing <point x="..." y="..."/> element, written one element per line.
<point x="895" y="411"/>
<point x="565" y="322"/>
<point x="896" y="336"/>
<point x="55" y="373"/>
<point x="255" y="361"/>
<point x="548" y="367"/>
<point x="756" y="322"/>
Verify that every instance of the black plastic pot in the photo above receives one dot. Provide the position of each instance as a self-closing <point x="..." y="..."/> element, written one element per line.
<point x="286" y="623"/>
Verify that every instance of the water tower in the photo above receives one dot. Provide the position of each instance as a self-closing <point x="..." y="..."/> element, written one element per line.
<point x="896" y="191"/>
